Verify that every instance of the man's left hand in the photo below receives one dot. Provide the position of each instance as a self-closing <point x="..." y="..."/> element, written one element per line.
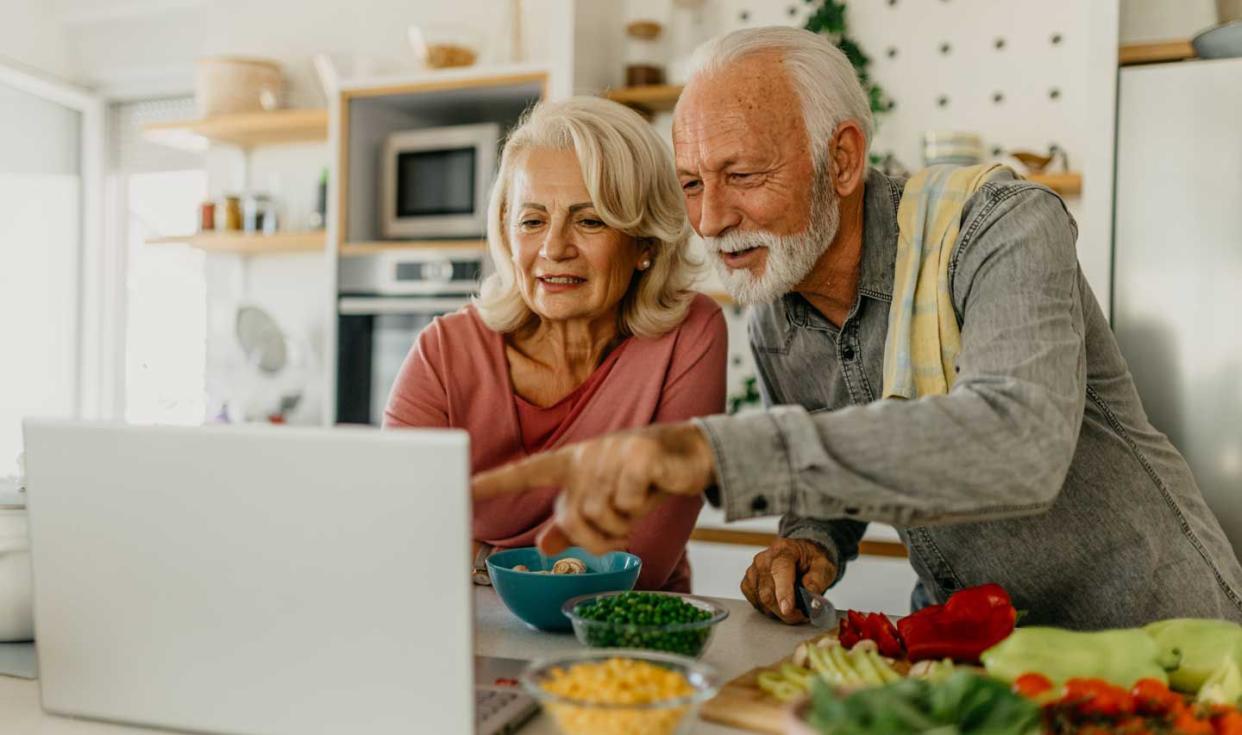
<point x="608" y="483"/>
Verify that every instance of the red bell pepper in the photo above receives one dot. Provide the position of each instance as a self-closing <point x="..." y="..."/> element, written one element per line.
<point x="970" y="622"/>
<point x="876" y="627"/>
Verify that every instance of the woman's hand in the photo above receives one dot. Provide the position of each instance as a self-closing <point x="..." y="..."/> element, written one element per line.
<point x="608" y="483"/>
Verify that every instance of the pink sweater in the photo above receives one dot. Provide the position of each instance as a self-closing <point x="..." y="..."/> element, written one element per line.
<point x="457" y="376"/>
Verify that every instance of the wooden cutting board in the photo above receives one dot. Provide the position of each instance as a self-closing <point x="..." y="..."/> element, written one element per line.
<point x="741" y="703"/>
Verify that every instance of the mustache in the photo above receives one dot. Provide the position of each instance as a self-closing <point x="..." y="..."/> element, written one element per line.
<point x="734" y="242"/>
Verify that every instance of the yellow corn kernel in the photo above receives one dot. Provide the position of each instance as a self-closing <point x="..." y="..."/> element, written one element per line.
<point x="617" y="681"/>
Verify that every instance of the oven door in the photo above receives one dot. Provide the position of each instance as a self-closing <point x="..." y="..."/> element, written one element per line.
<point x="374" y="335"/>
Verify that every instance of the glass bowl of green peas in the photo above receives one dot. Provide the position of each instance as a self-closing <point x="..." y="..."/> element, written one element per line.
<point x="653" y="621"/>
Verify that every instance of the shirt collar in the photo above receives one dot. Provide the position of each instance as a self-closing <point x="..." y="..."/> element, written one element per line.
<point x="881" y="197"/>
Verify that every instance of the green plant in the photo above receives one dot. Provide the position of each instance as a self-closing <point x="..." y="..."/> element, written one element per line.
<point x="829" y="20"/>
<point x="749" y="395"/>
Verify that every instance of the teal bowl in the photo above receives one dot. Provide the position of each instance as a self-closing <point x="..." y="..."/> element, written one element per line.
<point x="536" y="599"/>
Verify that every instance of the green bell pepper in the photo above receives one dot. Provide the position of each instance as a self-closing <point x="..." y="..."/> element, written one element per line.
<point x="1205" y="646"/>
<point x="1224" y="686"/>
<point x="1120" y="657"/>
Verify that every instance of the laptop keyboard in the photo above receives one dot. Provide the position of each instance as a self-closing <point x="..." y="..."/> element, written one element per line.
<point x="487" y="703"/>
<point x="500" y="712"/>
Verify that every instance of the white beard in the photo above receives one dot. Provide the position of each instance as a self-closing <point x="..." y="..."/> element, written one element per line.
<point x="790" y="257"/>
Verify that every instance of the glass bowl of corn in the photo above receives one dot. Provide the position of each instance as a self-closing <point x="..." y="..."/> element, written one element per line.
<point x="619" y="691"/>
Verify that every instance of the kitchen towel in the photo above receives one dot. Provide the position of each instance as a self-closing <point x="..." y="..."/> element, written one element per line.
<point x="923" y="337"/>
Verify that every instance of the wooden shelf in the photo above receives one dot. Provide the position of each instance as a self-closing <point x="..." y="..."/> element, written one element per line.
<point x="247" y="130"/>
<point x="647" y="99"/>
<point x="240" y="243"/>
<point x="1068" y="183"/>
<point x="388" y="246"/>
<point x="1155" y="53"/>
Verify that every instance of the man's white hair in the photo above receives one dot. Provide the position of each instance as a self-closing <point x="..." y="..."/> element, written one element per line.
<point x="822" y="76"/>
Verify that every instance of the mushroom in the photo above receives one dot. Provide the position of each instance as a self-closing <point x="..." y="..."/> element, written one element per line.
<point x="569" y="566"/>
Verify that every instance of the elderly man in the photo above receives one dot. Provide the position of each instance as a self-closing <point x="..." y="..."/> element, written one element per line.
<point x="1037" y="470"/>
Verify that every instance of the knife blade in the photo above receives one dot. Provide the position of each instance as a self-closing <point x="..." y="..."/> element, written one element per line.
<point x="821" y="612"/>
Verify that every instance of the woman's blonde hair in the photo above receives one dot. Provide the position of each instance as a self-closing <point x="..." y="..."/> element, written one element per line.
<point x="629" y="175"/>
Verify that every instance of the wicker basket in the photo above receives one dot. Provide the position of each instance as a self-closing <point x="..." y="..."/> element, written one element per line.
<point x="230" y="84"/>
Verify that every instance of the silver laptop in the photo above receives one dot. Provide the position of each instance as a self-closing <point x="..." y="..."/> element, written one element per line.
<point x="256" y="579"/>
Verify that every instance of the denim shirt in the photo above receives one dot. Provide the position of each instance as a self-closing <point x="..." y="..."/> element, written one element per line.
<point x="1039" y="470"/>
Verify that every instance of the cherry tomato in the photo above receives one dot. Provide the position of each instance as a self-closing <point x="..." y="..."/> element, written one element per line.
<point x="1227" y="722"/>
<point x="1153" y="697"/>
<point x="1186" y="723"/>
<point x="1032" y="685"/>
<point x="1095" y="697"/>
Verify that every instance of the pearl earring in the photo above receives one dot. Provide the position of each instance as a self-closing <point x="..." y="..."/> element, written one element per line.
<point x="645" y="264"/>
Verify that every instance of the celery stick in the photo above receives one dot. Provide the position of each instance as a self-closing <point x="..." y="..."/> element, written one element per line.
<point x="819" y="662"/>
<point x="866" y="668"/>
<point x="772" y="683"/>
<point x="827" y="667"/>
<point x="848" y="673"/>
<point x="798" y="675"/>
<point x="887" y="672"/>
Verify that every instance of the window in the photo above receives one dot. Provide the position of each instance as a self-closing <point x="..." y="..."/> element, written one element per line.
<point x="41" y="232"/>
<point x="157" y="192"/>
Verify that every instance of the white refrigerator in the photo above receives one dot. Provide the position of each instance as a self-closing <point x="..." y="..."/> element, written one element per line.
<point x="1177" y="269"/>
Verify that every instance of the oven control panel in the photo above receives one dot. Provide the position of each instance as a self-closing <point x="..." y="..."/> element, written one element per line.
<point x="413" y="271"/>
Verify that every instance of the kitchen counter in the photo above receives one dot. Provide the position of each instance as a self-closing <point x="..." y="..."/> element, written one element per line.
<point x="744" y="640"/>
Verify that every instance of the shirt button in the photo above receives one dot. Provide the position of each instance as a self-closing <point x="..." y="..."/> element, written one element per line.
<point x="759" y="504"/>
<point x="847" y="352"/>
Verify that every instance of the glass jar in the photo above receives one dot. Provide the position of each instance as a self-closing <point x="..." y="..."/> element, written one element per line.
<point x="229" y="217"/>
<point x="644" y="53"/>
<point x="256" y="208"/>
<point x="207" y="216"/>
<point x="952" y="147"/>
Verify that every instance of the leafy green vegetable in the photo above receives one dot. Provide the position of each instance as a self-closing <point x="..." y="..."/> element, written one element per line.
<point x="963" y="704"/>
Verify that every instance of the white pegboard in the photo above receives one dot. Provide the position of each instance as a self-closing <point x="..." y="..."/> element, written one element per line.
<point x="1011" y="70"/>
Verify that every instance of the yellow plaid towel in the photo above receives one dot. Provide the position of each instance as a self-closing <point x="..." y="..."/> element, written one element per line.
<point x="923" y="338"/>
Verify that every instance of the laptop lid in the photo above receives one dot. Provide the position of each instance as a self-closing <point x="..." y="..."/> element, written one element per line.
<point x="253" y="579"/>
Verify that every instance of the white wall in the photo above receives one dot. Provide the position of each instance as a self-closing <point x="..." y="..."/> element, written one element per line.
<point x="131" y="54"/>
<point x="1152" y="21"/>
<point x="31" y="35"/>
<point x="40" y="208"/>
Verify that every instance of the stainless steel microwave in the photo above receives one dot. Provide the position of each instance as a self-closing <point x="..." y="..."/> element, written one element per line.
<point x="436" y="181"/>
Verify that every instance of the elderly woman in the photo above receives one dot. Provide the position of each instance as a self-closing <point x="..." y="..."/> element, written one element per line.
<point x="586" y="327"/>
